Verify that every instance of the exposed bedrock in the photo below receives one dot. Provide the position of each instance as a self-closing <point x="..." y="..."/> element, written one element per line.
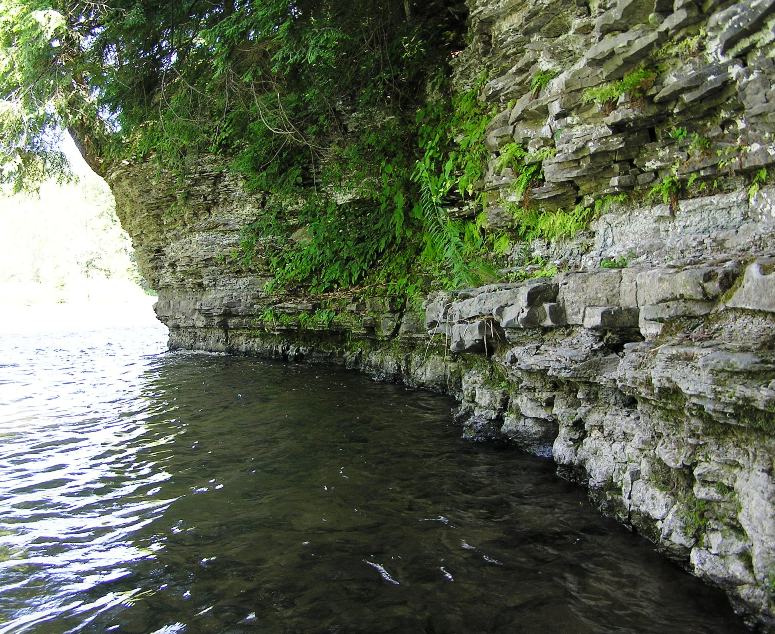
<point x="653" y="384"/>
<point x="646" y="368"/>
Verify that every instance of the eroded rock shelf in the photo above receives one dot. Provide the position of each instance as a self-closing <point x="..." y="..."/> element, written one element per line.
<point x="652" y="382"/>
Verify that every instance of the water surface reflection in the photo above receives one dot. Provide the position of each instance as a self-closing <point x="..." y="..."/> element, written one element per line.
<point x="144" y="491"/>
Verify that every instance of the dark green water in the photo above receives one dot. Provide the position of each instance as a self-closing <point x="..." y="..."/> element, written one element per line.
<point x="151" y="492"/>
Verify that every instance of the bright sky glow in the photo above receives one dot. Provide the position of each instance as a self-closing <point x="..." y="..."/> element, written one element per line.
<point x="65" y="262"/>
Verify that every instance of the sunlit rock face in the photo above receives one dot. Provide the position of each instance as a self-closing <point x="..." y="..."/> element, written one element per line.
<point x="646" y="368"/>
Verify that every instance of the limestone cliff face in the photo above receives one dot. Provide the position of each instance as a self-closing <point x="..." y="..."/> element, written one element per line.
<point x="654" y="381"/>
<point x="705" y="103"/>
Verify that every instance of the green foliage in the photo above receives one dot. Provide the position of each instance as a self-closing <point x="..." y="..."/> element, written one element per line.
<point x="397" y="215"/>
<point x="321" y="318"/>
<point x="758" y="180"/>
<point x="602" y="205"/>
<point x="501" y="244"/>
<point x="541" y="79"/>
<point x="512" y="155"/>
<point x="633" y="84"/>
<point x="526" y="176"/>
<point x="678" y="134"/>
<point x="667" y="189"/>
<point x="527" y="167"/>
<point x="343" y="242"/>
<point x="537" y="268"/>
<point x="452" y="244"/>
<point x="268" y="316"/>
<point x="35" y="93"/>
<point x="684" y="47"/>
<point x="451" y="139"/>
<point x="553" y="226"/>
<point x="614" y="263"/>
<point x="452" y="161"/>
<point x="729" y="156"/>
<point x="268" y="82"/>
<point x="699" y="144"/>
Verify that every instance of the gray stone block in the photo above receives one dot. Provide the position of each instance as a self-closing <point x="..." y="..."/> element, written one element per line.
<point x="494" y="302"/>
<point x="412" y="324"/>
<point x="666" y="311"/>
<point x="579" y="290"/>
<point x="661" y="285"/>
<point x="499" y="137"/>
<point x="535" y="435"/>
<point x="690" y="81"/>
<point x="467" y="337"/>
<point x="436" y="307"/>
<point x="388" y="324"/>
<point x="477" y="336"/>
<point x="624" y="14"/>
<point x="610" y="317"/>
<point x="483" y="304"/>
<point x="679" y="19"/>
<point x="757" y="291"/>
<point x="628" y="295"/>
<point x="554" y="315"/>
<point x="741" y="20"/>
<point x="612" y="45"/>
<point x="527" y="311"/>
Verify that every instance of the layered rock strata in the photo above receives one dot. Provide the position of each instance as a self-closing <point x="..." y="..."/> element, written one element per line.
<point x="646" y="368"/>
<point x="701" y="114"/>
<point x="654" y="384"/>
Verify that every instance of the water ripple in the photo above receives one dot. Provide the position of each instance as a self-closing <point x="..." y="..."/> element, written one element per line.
<point x="152" y="492"/>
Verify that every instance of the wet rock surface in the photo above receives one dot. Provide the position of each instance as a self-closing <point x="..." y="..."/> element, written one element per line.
<point x="646" y="368"/>
<point x="652" y="384"/>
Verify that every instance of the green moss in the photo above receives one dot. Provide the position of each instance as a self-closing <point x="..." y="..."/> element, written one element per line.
<point x="634" y="85"/>
<point x="755" y="419"/>
<point x="770" y="585"/>
<point x="494" y="374"/>
<point x="730" y="292"/>
<point x="696" y="516"/>
<point x="683" y="47"/>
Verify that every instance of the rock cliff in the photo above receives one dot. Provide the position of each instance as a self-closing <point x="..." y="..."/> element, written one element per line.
<point x="646" y="366"/>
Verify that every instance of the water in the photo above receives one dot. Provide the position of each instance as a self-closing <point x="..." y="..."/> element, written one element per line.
<point x="142" y="491"/>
